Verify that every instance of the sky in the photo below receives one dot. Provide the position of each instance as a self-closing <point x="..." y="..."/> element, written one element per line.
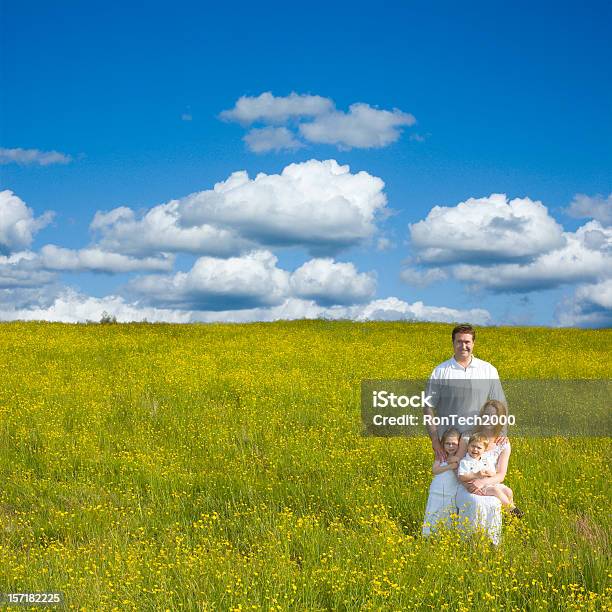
<point x="399" y="161"/>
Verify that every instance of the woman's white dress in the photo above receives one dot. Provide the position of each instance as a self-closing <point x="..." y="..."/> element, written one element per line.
<point x="441" y="500"/>
<point x="482" y="511"/>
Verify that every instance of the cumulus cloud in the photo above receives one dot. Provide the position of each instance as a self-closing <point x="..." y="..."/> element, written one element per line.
<point x="33" y="157"/>
<point x="71" y="306"/>
<point x="36" y="269"/>
<point x="252" y="281"/>
<point x="17" y="223"/>
<point x="394" y="309"/>
<point x="276" y="109"/>
<point x="318" y="121"/>
<point x="586" y="256"/>
<point x="485" y="230"/>
<point x="121" y="230"/>
<point x="93" y="259"/>
<point x="218" y="284"/>
<point x="23" y="269"/>
<point x="362" y="127"/>
<point x="262" y="140"/>
<point x="595" y="207"/>
<point x="328" y="282"/>
<point x="320" y="205"/>
<point x="590" y="306"/>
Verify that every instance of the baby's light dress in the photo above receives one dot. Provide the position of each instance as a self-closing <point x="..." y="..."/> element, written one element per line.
<point x="482" y="511"/>
<point x="441" y="500"/>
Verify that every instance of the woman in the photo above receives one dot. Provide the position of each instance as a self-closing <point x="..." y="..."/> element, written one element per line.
<point x="477" y="510"/>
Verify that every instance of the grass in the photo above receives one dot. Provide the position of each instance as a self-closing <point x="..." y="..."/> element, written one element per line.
<point x="202" y="467"/>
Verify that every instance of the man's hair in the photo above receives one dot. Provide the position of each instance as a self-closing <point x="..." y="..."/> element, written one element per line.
<point x="465" y="328"/>
<point x="479" y="437"/>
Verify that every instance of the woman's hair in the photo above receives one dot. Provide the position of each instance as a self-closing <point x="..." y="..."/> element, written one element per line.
<point x="500" y="410"/>
<point x="448" y="433"/>
<point x="479" y="437"/>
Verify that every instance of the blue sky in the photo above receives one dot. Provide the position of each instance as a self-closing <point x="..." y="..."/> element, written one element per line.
<point x="508" y="99"/>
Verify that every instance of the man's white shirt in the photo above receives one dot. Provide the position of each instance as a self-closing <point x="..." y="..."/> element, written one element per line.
<point x="460" y="391"/>
<point x="452" y="370"/>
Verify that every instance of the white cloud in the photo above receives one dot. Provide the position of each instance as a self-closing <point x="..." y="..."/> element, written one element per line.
<point x="96" y="260"/>
<point x="422" y="278"/>
<point x="262" y="140"/>
<point x="319" y="205"/>
<point x="363" y="126"/>
<point x="328" y="282"/>
<point x="316" y="204"/>
<point x="252" y="281"/>
<point x="121" y="230"/>
<point x="17" y="223"/>
<point x="595" y="207"/>
<point x="575" y="262"/>
<point x="23" y="269"/>
<point x="33" y="156"/>
<point x="276" y="109"/>
<point x="35" y="269"/>
<point x="486" y="230"/>
<point x="591" y="306"/>
<point x="394" y="309"/>
<point x="219" y="284"/>
<point x="71" y="307"/>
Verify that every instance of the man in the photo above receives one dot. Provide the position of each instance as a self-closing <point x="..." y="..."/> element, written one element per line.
<point x="460" y="386"/>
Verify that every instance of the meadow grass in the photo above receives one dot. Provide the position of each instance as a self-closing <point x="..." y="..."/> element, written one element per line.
<point x="201" y="467"/>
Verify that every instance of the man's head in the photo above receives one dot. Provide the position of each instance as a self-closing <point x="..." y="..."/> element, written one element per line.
<point x="463" y="341"/>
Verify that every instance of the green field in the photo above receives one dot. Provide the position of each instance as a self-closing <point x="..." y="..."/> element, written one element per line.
<point x="201" y="467"/>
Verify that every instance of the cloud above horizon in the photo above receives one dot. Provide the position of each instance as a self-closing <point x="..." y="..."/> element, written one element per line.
<point x="316" y="120"/>
<point x="254" y="280"/>
<point x="318" y="205"/>
<point x="18" y="223"/>
<point x="595" y="207"/>
<point x="485" y="230"/>
<point x="33" y="157"/>
<point x="71" y="306"/>
<point x="506" y="246"/>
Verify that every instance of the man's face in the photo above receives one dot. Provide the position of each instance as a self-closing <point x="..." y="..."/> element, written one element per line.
<point x="463" y="345"/>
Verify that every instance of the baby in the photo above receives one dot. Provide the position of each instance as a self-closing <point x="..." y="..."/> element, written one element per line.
<point x="476" y="464"/>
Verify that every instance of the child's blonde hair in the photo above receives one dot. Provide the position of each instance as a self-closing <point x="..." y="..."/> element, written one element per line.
<point x="451" y="431"/>
<point x="479" y="437"/>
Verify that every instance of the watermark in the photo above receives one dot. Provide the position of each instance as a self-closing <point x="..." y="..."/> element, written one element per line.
<point x="531" y="407"/>
<point x="32" y="599"/>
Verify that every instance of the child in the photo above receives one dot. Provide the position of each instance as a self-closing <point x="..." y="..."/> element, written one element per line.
<point x="444" y="485"/>
<point x="476" y="464"/>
